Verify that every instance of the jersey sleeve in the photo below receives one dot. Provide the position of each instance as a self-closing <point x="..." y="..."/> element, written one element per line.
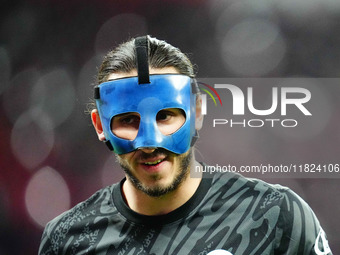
<point x="46" y="247"/>
<point x="299" y="229"/>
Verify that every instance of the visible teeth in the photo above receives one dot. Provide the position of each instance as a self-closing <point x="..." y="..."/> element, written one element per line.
<point x="153" y="163"/>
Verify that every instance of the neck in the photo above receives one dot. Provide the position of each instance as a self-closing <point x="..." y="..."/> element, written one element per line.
<point x="144" y="204"/>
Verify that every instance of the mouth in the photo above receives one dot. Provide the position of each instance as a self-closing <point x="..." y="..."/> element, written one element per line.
<point x="153" y="163"/>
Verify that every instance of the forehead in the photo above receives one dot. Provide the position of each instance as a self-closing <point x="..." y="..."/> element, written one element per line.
<point x="164" y="70"/>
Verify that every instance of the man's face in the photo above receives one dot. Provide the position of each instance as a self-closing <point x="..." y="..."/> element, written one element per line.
<point x="155" y="171"/>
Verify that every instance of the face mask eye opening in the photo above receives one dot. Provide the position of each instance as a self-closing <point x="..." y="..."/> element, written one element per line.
<point x="170" y="120"/>
<point x="126" y="125"/>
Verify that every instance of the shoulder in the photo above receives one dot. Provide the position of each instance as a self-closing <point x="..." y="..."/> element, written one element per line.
<point x="260" y="197"/>
<point x="99" y="201"/>
<point x="233" y="182"/>
<point x="90" y="212"/>
<point x="297" y="228"/>
<point x="263" y="196"/>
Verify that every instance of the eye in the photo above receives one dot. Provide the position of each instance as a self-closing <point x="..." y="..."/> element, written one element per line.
<point x="170" y="120"/>
<point x="125" y="125"/>
<point x="164" y="115"/>
<point x="129" y="120"/>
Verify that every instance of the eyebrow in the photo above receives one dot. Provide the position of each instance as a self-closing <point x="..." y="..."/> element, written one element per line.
<point x="126" y="113"/>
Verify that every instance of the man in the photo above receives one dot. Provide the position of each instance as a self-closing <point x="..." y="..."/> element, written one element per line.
<point x="148" y="112"/>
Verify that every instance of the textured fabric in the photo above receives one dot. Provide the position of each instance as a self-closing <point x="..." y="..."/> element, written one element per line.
<point x="228" y="212"/>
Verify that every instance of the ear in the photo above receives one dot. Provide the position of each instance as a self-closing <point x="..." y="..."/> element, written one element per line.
<point x="97" y="124"/>
<point x="199" y="115"/>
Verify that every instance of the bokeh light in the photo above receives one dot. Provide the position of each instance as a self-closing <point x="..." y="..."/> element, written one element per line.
<point x="32" y="138"/>
<point x="128" y="25"/>
<point x="19" y="29"/>
<point x="226" y="14"/>
<point x="86" y="79"/>
<point x="47" y="195"/>
<point x="16" y="98"/>
<point x="253" y="47"/>
<point x="54" y="95"/>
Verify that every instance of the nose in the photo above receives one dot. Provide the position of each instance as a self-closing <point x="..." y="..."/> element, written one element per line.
<point x="147" y="149"/>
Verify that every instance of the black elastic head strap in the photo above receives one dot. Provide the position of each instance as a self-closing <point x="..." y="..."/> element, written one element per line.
<point x="141" y="44"/>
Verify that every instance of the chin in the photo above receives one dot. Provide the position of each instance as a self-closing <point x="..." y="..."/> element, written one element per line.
<point x="160" y="185"/>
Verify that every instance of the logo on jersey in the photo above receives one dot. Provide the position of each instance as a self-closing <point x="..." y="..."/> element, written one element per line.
<point x="219" y="252"/>
<point x="321" y="244"/>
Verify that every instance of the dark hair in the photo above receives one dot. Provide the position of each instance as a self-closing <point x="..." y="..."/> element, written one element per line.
<point x="123" y="59"/>
<point x="161" y="54"/>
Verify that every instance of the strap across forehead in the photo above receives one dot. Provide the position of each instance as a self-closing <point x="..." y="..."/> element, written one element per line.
<point x="141" y="44"/>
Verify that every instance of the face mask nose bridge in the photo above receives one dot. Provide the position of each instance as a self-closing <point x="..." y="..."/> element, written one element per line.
<point x="149" y="134"/>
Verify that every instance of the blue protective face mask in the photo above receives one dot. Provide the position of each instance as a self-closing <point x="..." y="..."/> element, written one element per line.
<point x="163" y="91"/>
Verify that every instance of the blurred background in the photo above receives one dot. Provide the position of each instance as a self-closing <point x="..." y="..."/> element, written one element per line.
<point x="50" y="158"/>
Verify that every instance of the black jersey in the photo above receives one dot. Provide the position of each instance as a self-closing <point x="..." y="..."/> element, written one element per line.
<point x="228" y="214"/>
